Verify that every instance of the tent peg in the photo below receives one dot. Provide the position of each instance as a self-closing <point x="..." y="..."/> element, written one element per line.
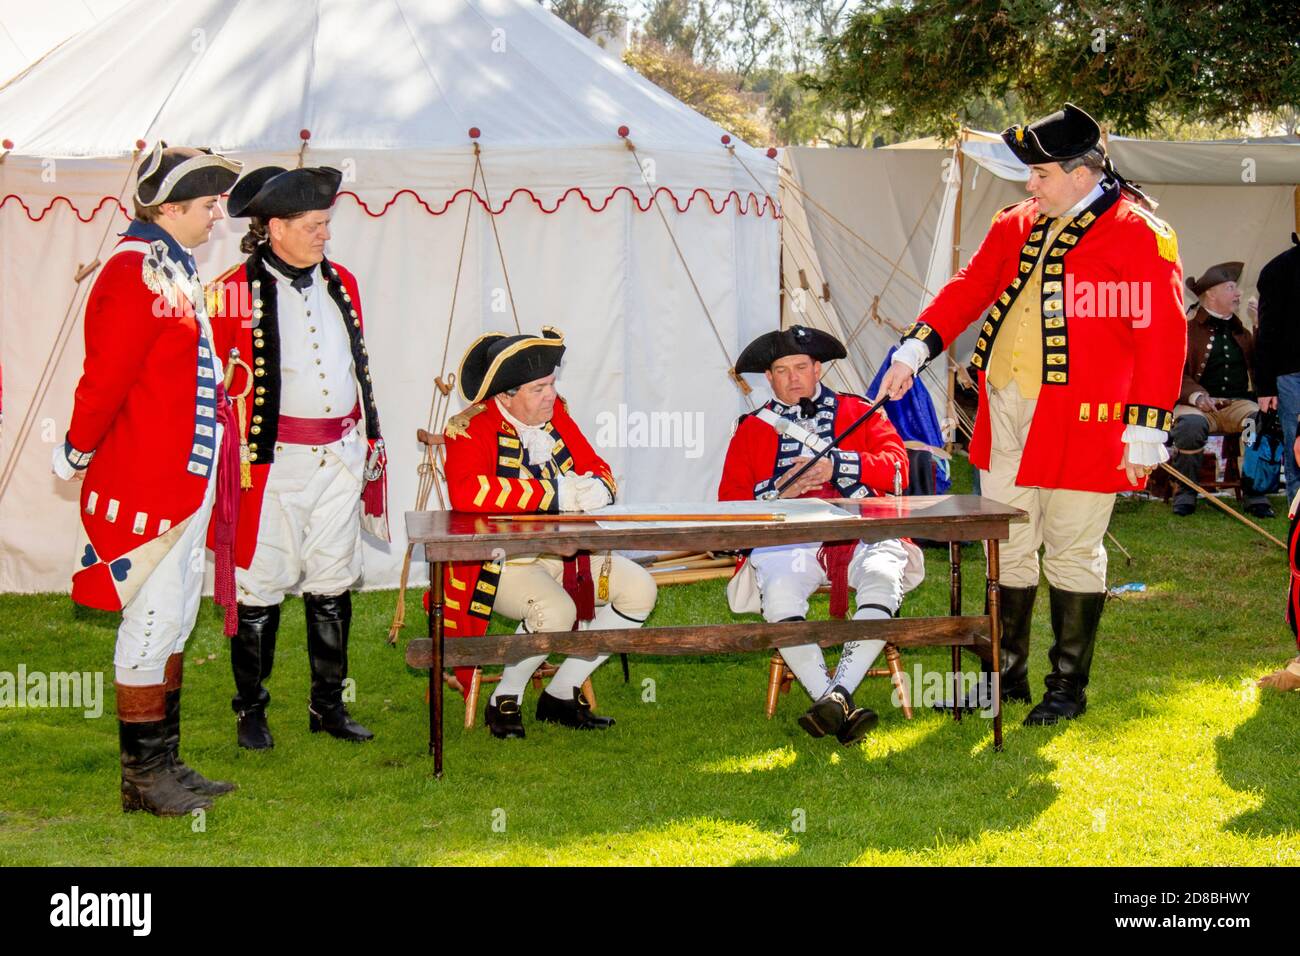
<point x="83" y="271"/>
<point x="735" y="377"/>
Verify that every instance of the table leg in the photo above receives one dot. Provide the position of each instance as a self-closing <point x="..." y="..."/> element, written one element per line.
<point x="995" y="635"/>
<point x="436" y="631"/>
<point x="954" y="605"/>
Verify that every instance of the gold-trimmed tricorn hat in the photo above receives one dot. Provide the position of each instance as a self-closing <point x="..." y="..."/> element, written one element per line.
<point x="497" y="362"/>
<point x="181" y="173"/>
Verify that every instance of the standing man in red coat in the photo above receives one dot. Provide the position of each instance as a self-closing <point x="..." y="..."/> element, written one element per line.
<point x="515" y="450"/>
<point x="311" y="441"/>
<point x="146" y="436"/>
<point x="779" y="438"/>
<point x="1080" y="358"/>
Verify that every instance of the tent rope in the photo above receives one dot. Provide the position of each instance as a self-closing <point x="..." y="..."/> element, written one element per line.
<point x="432" y="464"/>
<point x="61" y="339"/>
<point x="487" y="196"/>
<point x="654" y="199"/>
<point x="873" y="311"/>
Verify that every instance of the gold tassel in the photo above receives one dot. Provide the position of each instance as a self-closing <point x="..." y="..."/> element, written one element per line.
<point x="245" y="468"/>
<point x="1167" y="245"/>
<point x="602" y="587"/>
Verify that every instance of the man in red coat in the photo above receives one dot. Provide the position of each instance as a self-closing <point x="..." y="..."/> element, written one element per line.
<point x="1080" y="355"/>
<point x="515" y="450"/>
<point x="311" y="441"/>
<point x="776" y="441"/>
<point x="146" y="434"/>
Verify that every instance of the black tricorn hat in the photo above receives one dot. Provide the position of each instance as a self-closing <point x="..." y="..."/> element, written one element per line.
<point x="1221" y="272"/>
<point x="497" y="362"/>
<point x="796" y="340"/>
<point x="273" y="191"/>
<point x="1066" y="134"/>
<point x="179" y="173"/>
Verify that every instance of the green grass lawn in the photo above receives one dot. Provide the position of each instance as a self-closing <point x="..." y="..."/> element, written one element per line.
<point x="1178" y="760"/>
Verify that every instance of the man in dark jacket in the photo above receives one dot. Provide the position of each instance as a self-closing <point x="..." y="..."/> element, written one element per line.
<point x="1278" y="356"/>
<point x="1216" y="395"/>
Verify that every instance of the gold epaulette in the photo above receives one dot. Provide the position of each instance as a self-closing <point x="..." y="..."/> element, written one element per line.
<point x="214" y="291"/>
<point x="1005" y="208"/>
<point x="458" y="424"/>
<point x="1166" y="238"/>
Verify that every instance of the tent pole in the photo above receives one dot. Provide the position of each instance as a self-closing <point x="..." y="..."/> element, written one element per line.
<point x="954" y="266"/>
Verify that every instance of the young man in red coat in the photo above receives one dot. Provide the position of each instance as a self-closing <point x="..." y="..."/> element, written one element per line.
<point x="146" y="437"/>
<point x="516" y="450"/>
<point x="778" y="439"/>
<point x="1080" y="356"/>
<point x="311" y="441"/>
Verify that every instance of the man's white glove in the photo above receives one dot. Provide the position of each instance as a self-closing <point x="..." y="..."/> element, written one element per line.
<point x="567" y="486"/>
<point x="60" y="465"/>
<point x="592" y="493"/>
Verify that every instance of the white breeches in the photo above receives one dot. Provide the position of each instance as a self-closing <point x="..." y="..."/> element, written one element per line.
<point x="309" y="536"/>
<point x="788" y="575"/>
<point x="157" y="621"/>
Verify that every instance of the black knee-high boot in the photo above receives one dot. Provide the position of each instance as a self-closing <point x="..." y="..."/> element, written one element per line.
<point x="187" y="776"/>
<point x="328" y="621"/>
<point x="252" y="654"/>
<point x="1075" y="618"/>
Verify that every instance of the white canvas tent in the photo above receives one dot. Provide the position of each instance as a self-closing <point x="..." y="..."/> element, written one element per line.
<point x="884" y="228"/>
<point x="387" y="92"/>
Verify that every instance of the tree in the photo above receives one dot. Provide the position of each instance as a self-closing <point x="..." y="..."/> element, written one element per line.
<point x="919" y="64"/>
<point x="707" y="91"/>
<point x="590" y="17"/>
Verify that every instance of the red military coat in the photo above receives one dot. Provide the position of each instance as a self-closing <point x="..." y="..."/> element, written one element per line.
<point x="757" y="455"/>
<point x="244" y="304"/>
<point x="484" y="456"/>
<point x="145" y="404"/>
<point x="1114" y="334"/>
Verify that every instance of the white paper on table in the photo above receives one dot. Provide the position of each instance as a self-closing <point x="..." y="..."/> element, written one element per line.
<point x="796" y="511"/>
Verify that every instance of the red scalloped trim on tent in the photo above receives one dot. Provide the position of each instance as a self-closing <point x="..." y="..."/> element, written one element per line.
<point x="53" y="202"/>
<point x="744" y="204"/>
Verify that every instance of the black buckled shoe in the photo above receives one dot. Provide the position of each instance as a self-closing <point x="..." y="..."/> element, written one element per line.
<point x="574" y="713"/>
<point x="1184" y="508"/>
<point x="504" y="718"/>
<point x="834" y="713"/>
<point x="1261" y="509"/>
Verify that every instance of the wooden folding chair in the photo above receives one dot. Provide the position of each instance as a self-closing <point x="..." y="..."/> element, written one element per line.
<point x="781" y="677"/>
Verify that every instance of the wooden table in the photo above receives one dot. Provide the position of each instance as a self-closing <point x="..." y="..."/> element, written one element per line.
<point x="461" y="536"/>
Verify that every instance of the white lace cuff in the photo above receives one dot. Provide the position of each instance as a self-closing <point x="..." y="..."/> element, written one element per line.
<point x="1146" y="446"/>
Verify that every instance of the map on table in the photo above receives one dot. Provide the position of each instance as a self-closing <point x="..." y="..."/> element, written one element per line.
<point x="796" y="510"/>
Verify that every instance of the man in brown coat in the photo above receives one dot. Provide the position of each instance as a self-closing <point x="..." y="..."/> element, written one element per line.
<point x="1218" y="389"/>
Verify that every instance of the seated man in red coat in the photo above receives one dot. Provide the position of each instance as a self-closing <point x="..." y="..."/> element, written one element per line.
<point x="516" y="450"/>
<point x="777" y="440"/>
<point x="148" y="431"/>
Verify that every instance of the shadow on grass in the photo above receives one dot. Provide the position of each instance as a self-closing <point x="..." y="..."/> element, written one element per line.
<point x="1257" y="758"/>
